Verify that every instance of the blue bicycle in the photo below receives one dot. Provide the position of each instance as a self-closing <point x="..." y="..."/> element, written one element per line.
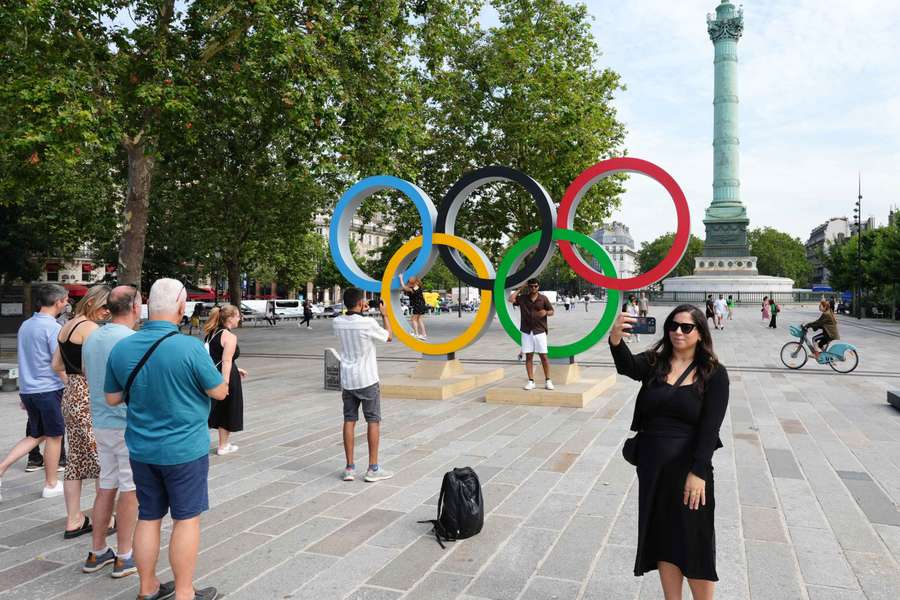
<point x="840" y="356"/>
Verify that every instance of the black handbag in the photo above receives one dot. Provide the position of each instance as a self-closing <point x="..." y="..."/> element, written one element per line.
<point x="630" y="447"/>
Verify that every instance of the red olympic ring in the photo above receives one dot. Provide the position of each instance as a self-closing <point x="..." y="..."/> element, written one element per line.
<point x="590" y="176"/>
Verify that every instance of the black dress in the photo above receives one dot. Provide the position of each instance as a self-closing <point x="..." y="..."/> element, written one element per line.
<point x="679" y="431"/>
<point x="417" y="301"/>
<point x="228" y="413"/>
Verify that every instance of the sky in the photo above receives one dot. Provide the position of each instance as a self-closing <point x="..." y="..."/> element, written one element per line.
<point x="819" y="87"/>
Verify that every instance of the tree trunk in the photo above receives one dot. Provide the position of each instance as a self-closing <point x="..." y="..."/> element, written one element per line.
<point x="137" y="210"/>
<point x="233" y="266"/>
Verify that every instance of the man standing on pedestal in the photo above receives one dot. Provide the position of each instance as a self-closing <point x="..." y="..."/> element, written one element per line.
<point x="535" y="308"/>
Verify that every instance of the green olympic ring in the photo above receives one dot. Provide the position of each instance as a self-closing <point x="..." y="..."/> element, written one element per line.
<point x="606" y="265"/>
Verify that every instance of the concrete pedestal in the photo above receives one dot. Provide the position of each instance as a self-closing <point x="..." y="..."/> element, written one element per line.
<point x="893" y="398"/>
<point x="438" y="379"/>
<point x="570" y="388"/>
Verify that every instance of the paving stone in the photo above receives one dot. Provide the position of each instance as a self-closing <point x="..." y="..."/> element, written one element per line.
<point x="439" y="586"/>
<point x="821" y="559"/>
<point x="289" y="575"/>
<point x="871" y="499"/>
<point x="26" y="571"/>
<point x="613" y="577"/>
<point x="782" y="463"/>
<point x="772" y="571"/>
<point x="289" y="519"/>
<point x="508" y="572"/>
<point x="345" y="575"/>
<point x="574" y="552"/>
<point x="411" y="565"/>
<point x="763" y="524"/>
<point x="526" y="498"/>
<point x="542" y="588"/>
<point x="355" y="533"/>
<point x="554" y="512"/>
<point x="826" y="593"/>
<point x="878" y="575"/>
<point x="370" y="593"/>
<point x="468" y="557"/>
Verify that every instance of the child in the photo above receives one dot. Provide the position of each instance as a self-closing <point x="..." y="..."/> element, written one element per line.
<point x="359" y="378"/>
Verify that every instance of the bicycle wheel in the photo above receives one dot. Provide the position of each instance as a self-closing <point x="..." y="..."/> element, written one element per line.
<point x="793" y="355"/>
<point x="847" y="363"/>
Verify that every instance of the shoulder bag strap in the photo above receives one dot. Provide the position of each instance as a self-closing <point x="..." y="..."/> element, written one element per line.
<point x="684" y="375"/>
<point x="141" y="363"/>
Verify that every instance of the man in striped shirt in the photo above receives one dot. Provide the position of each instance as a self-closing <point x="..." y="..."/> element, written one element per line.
<point x="359" y="378"/>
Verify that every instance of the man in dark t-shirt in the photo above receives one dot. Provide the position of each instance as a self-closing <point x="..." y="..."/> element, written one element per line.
<point x="534" y="308"/>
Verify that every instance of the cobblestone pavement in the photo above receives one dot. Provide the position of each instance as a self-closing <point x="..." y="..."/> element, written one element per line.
<point x="808" y="484"/>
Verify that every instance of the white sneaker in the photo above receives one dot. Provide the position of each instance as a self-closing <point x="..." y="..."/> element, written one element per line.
<point x="227" y="450"/>
<point x="54" y="491"/>
<point x="349" y="474"/>
<point x="548" y="385"/>
<point x="529" y="385"/>
<point x="380" y="474"/>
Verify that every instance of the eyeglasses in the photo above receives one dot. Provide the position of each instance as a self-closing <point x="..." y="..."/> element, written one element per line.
<point x="686" y="328"/>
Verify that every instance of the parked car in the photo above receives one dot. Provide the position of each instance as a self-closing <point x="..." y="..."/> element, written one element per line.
<point x="332" y="311"/>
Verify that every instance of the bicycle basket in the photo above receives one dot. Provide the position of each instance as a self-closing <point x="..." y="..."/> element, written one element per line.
<point x="796" y="331"/>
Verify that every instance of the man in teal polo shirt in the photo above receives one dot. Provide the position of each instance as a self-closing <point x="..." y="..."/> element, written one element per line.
<point x="167" y="437"/>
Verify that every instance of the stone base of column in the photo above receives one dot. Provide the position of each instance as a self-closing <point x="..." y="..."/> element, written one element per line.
<point x="725" y="265"/>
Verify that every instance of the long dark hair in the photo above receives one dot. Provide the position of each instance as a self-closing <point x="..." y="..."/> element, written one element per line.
<point x="661" y="352"/>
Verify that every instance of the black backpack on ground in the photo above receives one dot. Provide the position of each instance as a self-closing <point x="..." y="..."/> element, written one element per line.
<point x="460" y="512"/>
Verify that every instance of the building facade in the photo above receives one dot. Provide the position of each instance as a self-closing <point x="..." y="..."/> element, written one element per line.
<point x="617" y="240"/>
<point x="832" y="231"/>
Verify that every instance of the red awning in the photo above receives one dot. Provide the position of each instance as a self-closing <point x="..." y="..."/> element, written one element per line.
<point x="76" y="290"/>
<point x="201" y="295"/>
<point x="86" y="267"/>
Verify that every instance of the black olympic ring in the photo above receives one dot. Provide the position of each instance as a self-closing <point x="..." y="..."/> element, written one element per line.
<point x="460" y="192"/>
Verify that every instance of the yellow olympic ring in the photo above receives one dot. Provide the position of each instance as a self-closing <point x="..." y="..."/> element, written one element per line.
<point x="485" y="310"/>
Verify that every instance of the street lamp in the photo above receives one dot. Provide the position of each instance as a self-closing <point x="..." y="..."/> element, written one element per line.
<point x="857" y="215"/>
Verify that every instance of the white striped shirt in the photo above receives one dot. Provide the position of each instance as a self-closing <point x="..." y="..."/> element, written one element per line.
<point x="359" y="368"/>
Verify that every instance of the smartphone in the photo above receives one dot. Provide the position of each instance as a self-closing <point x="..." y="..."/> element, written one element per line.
<point x="644" y="325"/>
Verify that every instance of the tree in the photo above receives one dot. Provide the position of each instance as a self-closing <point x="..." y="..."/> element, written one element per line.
<point x="779" y="254"/>
<point x="652" y="253"/>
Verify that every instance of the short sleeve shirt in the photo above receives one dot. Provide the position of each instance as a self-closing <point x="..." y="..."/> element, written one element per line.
<point x="36" y="342"/>
<point x="358" y="334"/>
<point x="94" y="354"/>
<point x="530" y="322"/>
<point x="168" y="406"/>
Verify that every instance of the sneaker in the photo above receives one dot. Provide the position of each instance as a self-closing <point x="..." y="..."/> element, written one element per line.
<point x="209" y="593"/>
<point x="529" y="385"/>
<point x="54" y="491"/>
<point x="349" y="474"/>
<point x="123" y="568"/>
<point x="165" y="591"/>
<point x="34" y="465"/>
<point x="94" y="563"/>
<point x="227" y="450"/>
<point x="377" y="475"/>
<point x="548" y="385"/>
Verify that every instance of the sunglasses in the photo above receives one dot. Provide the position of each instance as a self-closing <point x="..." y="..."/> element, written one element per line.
<point x="533" y="285"/>
<point x="686" y="328"/>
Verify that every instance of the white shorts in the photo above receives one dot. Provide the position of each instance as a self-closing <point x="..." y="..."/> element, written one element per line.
<point x="115" y="468"/>
<point x="534" y="343"/>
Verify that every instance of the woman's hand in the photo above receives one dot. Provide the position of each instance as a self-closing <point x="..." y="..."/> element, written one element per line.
<point x="620" y="328"/>
<point x="694" y="492"/>
<point x="243" y="373"/>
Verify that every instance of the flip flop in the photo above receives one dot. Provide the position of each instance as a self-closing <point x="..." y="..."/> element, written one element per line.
<point x="74" y="533"/>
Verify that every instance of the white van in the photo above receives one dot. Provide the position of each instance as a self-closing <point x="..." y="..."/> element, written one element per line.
<point x="288" y="309"/>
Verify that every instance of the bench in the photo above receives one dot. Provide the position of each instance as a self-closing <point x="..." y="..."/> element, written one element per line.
<point x="9" y="377"/>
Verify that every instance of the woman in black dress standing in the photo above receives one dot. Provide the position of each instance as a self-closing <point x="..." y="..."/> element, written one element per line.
<point x="417" y="304"/>
<point x="226" y="415"/>
<point x="678" y="420"/>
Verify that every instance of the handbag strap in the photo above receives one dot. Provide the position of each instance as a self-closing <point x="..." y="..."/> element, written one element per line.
<point x="683" y="376"/>
<point x="141" y="363"/>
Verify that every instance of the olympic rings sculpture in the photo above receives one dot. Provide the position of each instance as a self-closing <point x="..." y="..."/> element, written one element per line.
<point x="437" y="238"/>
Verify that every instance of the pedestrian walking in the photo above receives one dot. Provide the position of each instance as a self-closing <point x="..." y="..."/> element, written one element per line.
<point x="271" y="315"/>
<point x="124" y="304"/>
<point x="83" y="462"/>
<point x="195" y="318"/>
<point x="307" y="315"/>
<point x="633" y="310"/>
<point x="417" y="305"/>
<point x="587" y="300"/>
<point x="566" y="303"/>
<point x="774" y="309"/>
<point x="721" y="309"/>
<point x="678" y="431"/>
<point x="535" y="308"/>
<point x="168" y="396"/>
<point x="227" y="415"/>
<point x="643" y="305"/>
<point x="730" y="304"/>
<point x="41" y="387"/>
<point x="711" y="310"/>
<point x="359" y="380"/>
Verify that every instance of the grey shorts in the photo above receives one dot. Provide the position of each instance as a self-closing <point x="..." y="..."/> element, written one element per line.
<point x="369" y="397"/>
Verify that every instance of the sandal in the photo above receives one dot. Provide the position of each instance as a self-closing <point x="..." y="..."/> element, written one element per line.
<point x="74" y="533"/>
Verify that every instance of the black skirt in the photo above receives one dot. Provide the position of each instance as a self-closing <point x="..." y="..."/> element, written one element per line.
<point x="667" y="530"/>
<point x="229" y="413"/>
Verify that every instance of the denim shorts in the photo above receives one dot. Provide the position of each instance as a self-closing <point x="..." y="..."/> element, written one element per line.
<point x="180" y="488"/>
<point x="44" y="414"/>
<point x="369" y="397"/>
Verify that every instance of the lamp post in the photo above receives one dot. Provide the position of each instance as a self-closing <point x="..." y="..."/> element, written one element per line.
<point x="857" y="211"/>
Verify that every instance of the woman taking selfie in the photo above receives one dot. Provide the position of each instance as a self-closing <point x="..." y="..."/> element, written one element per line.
<point x="677" y="414"/>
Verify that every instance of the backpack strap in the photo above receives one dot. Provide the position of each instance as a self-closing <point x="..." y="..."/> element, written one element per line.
<point x="436" y="523"/>
<point x="141" y="363"/>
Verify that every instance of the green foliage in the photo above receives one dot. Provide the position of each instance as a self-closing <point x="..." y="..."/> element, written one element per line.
<point x="652" y="253"/>
<point x="779" y="254"/>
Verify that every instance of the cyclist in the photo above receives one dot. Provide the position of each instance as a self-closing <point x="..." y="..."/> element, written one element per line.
<point x="828" y="324"/>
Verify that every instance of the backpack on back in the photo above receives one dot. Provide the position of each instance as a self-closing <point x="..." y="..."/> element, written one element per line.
<point x="460" y="512"/>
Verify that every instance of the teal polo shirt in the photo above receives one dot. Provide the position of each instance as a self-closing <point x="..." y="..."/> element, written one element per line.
<point x="168" y="407"/>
